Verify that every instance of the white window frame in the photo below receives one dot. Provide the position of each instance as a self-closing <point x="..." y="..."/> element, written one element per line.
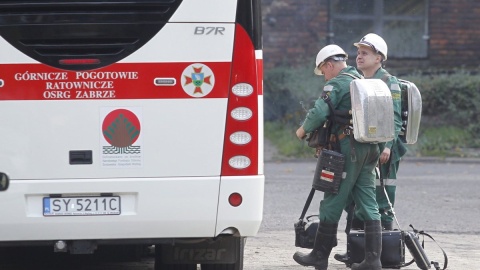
<point x="416" y="48"/>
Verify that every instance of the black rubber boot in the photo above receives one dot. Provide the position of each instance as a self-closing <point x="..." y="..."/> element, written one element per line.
<point x="373" y="247"/>
<point x="387" y="225"/>
<point x="357" y="224"/>
<point x="342" y="257"/>
<point x="325" y="240"/>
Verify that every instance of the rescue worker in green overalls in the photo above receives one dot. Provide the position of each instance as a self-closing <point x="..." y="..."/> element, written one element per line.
<point x="371" y="53"/>
<point x="359" y="173"/>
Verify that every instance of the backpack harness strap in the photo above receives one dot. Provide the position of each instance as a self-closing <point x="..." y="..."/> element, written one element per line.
<point x="347" y="129"/>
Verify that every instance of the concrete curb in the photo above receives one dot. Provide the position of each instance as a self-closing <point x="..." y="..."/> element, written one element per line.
<point x="407" y="159"/>
<point x="442" y="160"/>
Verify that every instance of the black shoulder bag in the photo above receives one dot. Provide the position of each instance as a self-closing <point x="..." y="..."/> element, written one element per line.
<point x="305" y="231"/>
<point x="320" y="137"/>
<point x="330" y="162"/>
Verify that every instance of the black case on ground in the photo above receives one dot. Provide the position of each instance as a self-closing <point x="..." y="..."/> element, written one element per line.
<point x="413" y="244"/>
<point x="305" y="232"/>
<point x="393" y="248"/>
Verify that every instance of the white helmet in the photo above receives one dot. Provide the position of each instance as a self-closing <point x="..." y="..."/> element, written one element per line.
<point x="331" y="51"/>
<point x="375" y="42"/>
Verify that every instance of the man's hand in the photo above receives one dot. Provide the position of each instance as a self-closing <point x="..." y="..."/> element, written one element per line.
<point x="385" y="155"/>
<point x="301" y="133"/>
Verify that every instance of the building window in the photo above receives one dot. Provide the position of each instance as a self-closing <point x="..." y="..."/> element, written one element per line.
<point x="403" y="25"/>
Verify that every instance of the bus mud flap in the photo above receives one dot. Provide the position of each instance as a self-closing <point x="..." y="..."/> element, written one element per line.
<point x="223" y="250"/>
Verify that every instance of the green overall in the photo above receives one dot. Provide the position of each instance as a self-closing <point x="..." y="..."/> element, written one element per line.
<point x="397" y="150"/>
<point x="396" y="146"/>
<point x="359" y="177"/>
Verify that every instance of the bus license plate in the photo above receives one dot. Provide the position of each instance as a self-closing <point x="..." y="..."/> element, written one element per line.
<point x="81" y="206"/>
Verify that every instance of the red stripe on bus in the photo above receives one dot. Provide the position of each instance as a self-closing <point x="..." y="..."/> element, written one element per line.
<point x="260" y="76"/>
<point x="117" y="81"/>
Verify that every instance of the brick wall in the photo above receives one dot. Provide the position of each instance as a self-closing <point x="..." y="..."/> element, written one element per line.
<point x="294" y="31"/>
<point x="454" y="33"/>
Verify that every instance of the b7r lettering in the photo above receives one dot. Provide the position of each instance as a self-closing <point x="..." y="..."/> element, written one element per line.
<point x="210" y="30"/>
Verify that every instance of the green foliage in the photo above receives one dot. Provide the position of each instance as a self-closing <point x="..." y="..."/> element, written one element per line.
<point x="450" y="118"/>
<point x="451" y="99"/>
<point x="443" y="141"/>
<point x="283" y="137"/>
<point x="289" y="92"/>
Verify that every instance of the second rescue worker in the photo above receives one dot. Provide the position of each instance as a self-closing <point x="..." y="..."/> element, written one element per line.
<point x="359" y="178"/>
<point x="371" y="54"/>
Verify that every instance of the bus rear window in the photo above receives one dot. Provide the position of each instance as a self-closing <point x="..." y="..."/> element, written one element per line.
<point x="104" y="32"/>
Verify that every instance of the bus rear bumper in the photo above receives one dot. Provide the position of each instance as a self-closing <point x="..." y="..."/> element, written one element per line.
<point x="152" y="209"/>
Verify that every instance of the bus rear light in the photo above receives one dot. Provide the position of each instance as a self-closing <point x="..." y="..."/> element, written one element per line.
<point x="79" y="61"/>
<point x="240" y="138"/>
<point x="242" y="89"/>
<point x="235" y="199"/>
<point x="239" y="162"/>
<point x="241" y="151"/>
<point x="241" y="113"/>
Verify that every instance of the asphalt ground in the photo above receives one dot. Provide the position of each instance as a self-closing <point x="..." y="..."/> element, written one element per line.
<point x="453" y="226"/>
<point x="272" y="250"/>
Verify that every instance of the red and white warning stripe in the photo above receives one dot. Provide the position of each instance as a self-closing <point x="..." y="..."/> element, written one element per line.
<point x="327" y="176"/>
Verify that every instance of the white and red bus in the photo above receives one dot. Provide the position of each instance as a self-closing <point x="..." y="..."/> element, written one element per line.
<point x="134" y="122"/>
